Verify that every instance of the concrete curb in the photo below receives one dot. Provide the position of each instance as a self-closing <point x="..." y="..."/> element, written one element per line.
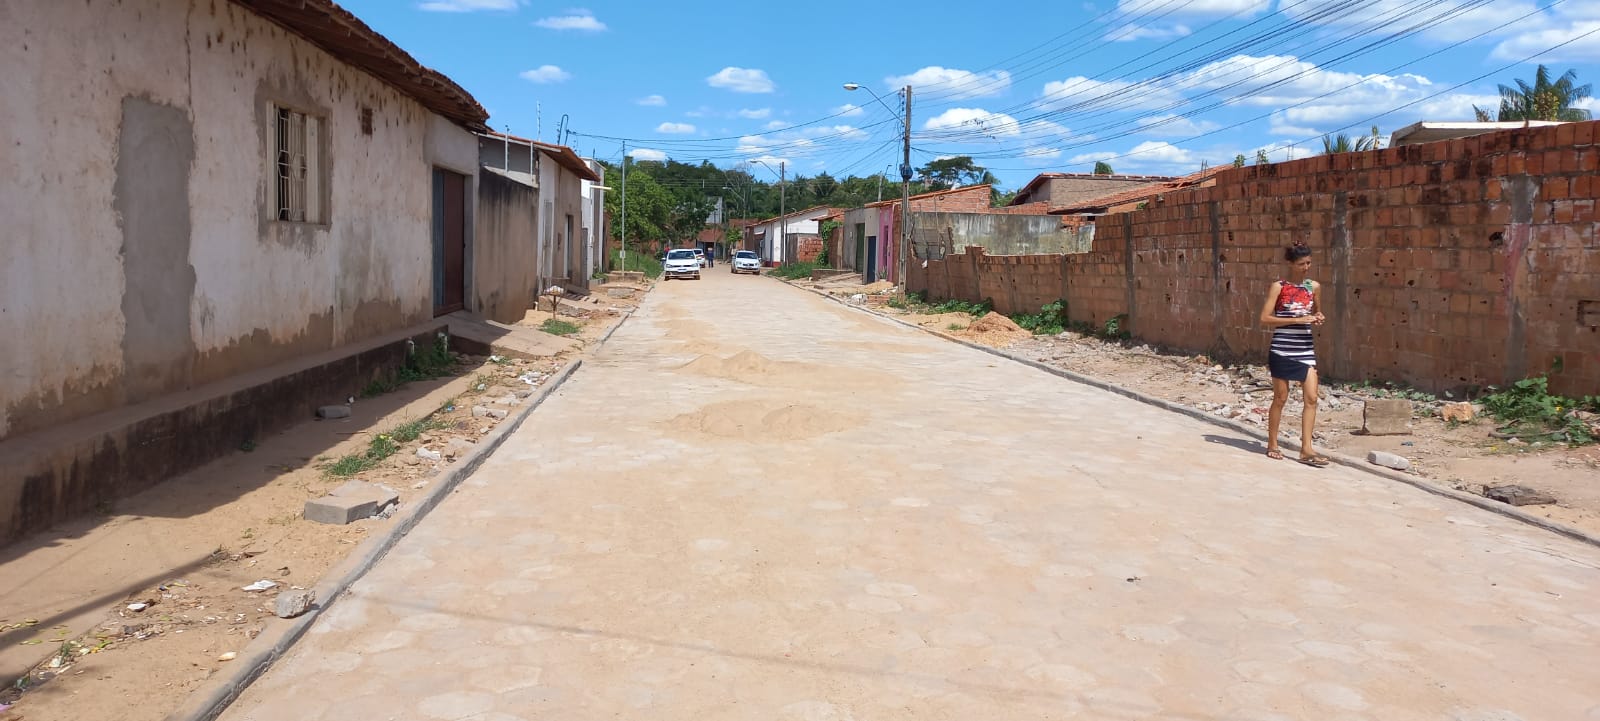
<point x="1359" y="464"/>
<point x="271" y="645"/>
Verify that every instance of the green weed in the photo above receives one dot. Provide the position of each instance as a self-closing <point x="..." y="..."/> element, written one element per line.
<point x="795" y="270"/>
<point x="556" y="326"/>
<point x="1050" y="320"/>
<point x="1528" y="410"/>
<point x="976" y="310"/>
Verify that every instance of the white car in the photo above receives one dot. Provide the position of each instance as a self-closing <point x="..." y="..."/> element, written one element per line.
<point x="746" y="261"/>
<point x="700" y="255"/>
<point x="681" y="263"/>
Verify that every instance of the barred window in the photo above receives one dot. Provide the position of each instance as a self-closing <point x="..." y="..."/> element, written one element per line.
<point x="297" y="158"/>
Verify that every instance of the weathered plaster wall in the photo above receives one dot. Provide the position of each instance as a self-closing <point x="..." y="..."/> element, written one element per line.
<point x="569" y="245"/>
<point x="140" y="256"/>
<point x="506" y="257"/>
<point x="939" y="234"/>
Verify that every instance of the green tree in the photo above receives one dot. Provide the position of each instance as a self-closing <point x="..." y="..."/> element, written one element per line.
<point x="1101" y="167"/>
<point x="1238" y="160"/>
<point x="947" y="173"/>
<point x="1261" y="157"/>
<point x="1543" y="100"/>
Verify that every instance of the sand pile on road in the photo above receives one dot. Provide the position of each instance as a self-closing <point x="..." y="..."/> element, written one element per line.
<point x="744" y="366"/>
<point x="877" y="287"/>
<point x="758" y="421"/>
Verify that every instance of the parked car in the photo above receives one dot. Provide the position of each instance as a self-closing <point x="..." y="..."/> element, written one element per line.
<point x="681" y="263"/>
<point x="700" y="256"/>
<point x="746" y="261"/>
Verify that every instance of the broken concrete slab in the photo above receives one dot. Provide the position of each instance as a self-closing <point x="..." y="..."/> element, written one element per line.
<point x="487" y="412"/>
<point x="458" y="447"/>
<point x="621" y="292"/>
<point x="1389" y="460"/>
<point x="350" y="502"/>
<point x="1518" y="495"/>
<point x="1386" y="417"/>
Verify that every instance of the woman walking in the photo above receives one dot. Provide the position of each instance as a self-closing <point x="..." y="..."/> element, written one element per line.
<point x="1292" y="307"/>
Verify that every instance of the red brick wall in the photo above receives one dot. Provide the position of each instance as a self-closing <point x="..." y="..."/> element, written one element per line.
<point x="807" y="247"/>
<point x="1462" y="263"/>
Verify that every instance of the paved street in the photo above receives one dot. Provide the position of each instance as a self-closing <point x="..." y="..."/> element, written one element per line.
<point x="756" y="504"/>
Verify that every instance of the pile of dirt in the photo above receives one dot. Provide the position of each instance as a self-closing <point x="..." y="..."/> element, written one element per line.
<point x="760" y="421"/>
<point x="995" y="330"/>
<point x="876" y="287"/>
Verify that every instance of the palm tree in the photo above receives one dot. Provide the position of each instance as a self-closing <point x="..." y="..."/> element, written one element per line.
<point x="1544" y="100"/>
<point x="1342" y="143"/>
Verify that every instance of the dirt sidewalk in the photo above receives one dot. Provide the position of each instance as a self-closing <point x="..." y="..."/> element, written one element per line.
<point x="134" y="609"/>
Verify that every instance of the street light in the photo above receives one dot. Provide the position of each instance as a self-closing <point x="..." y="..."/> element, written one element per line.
<point x="783" y="224"/>
<point x="905" y="177"/>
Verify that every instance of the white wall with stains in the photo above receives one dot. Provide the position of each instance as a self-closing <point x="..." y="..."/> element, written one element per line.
<point x="93" y="126"/>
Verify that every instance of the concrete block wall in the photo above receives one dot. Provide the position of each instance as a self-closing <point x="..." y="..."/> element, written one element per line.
<point x="1445" y="265"/>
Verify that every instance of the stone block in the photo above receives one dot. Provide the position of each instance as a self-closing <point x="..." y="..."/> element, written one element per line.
<point x="1519" y="495"/>
<point x="1386" y="417"/>
<point x="293" y="603"/>
<point x="339" y="511"/>
<point x="1388" y="460"/>
<point x="333" y="412"/>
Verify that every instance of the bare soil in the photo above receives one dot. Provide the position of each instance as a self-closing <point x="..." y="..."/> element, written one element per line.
<point x="142" y="605"/>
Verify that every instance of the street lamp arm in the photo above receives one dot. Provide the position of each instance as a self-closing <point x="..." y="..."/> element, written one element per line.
<point x="892" y="112"/>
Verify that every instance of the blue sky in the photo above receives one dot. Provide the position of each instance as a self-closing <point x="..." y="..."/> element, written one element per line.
<point x="1149" y="86"/>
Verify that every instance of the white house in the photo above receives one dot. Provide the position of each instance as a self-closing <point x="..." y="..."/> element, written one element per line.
<point x="774" y="238"/>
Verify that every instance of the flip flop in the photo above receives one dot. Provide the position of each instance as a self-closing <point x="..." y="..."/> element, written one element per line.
<point x="1275" y="454"/>
<point x="1315" y="461"/>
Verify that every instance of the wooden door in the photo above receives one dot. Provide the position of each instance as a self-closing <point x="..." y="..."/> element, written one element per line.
<point x="449" y="241"/>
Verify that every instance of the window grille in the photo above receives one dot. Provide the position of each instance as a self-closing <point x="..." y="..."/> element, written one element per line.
<point x="297" y="160"/>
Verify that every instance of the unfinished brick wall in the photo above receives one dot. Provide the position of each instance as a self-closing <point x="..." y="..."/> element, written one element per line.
<point x="1445" y="265"/>
<point x="807" y="247"/>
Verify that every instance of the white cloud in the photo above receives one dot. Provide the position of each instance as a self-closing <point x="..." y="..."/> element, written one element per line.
<point x="771" y="160"/>
<point x="466" y="6"/>
<point x="1321" y="96"/>
<point x="679" y="128"/>
<point x="647" y="154"/>
<point x="975" y="120"/>
<point x="800" y="142"/>
<point x="776" y="125"/>
<point x="953" y="83"/>
<point x="1148" y="32"/>
<point x="545" y="74"/>
<point x="742" y="80"/>
<point x="700" y="112"/>
<point x="1590" y="104"/>
<point x="755" y="114"/>
<point x="1525" y="44"/>
<point x="1202" y="7"/>
<point x="848" y="110"/>
<point x="578" y="20"/>
<point x="1163" y="156"/>
<point x="653" y="101"/>
<point x="1079" y="94"/>
<point x="1282" y="127"/>
<point x="1175" y="126"/>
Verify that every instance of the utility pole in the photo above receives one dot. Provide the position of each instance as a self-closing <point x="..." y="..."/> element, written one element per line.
<point x="624" y="206"/>
<point x="783" y="220"/>
<point x="905" y="196"/>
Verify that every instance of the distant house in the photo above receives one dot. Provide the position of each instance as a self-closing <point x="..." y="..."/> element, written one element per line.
<point x="1431" y="131"/>
<point x="871" y="237"/>
<point x="217" y="220"/>
<point x="555" y="239"/>
<point x="1128" y="199"/>
<point x="777" y="239"/>
<point x="1062" y="190"/>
